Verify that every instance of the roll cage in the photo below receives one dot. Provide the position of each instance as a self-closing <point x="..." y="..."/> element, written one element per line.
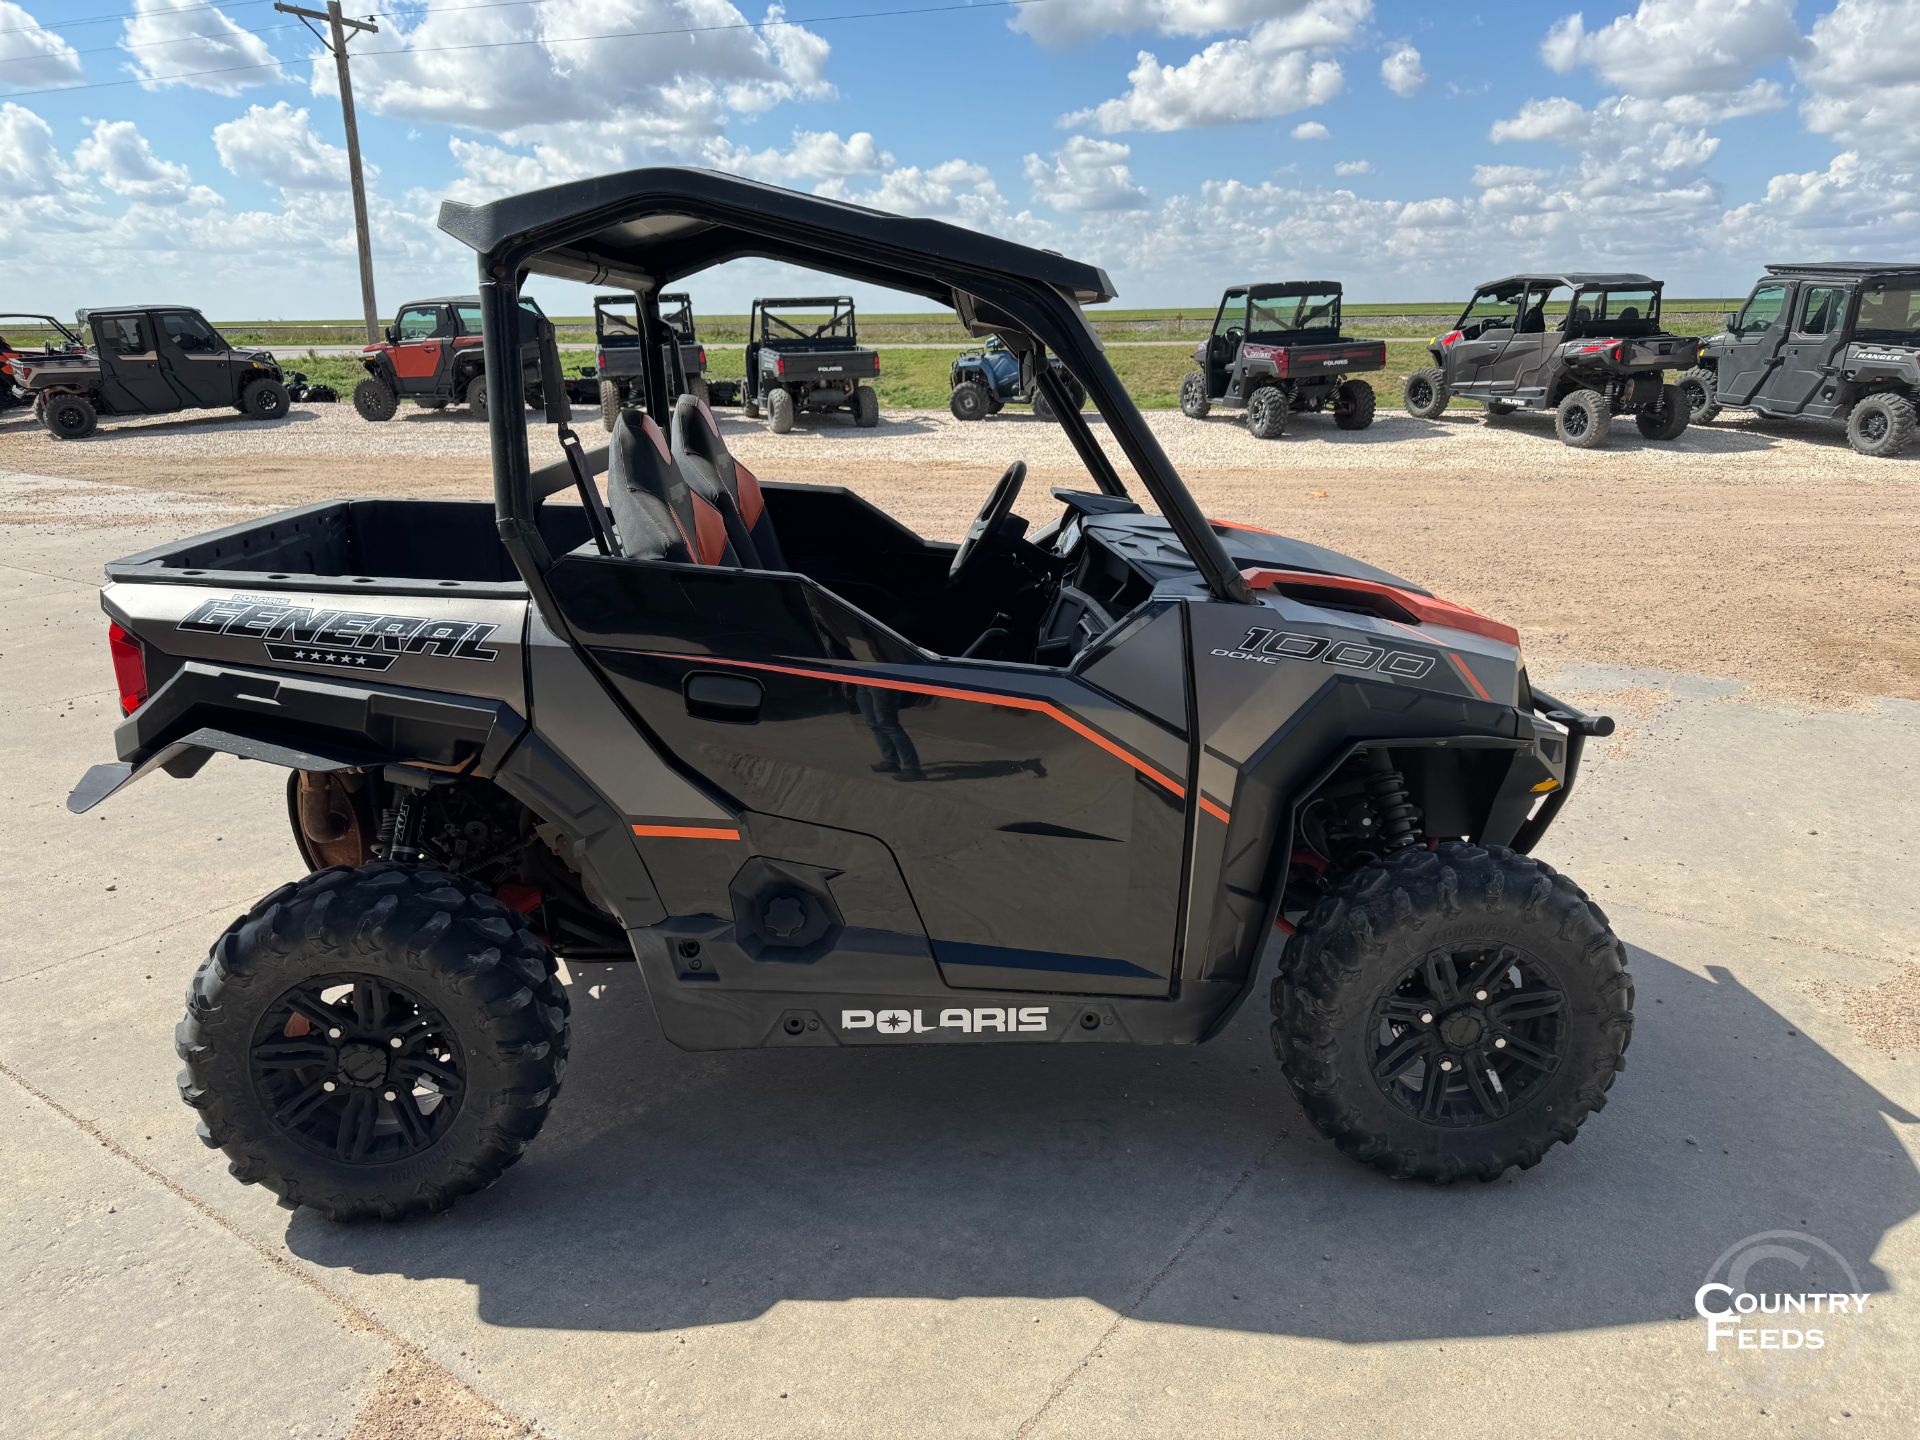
<point x="765" y="324"/>
<point x="642" y="230"/>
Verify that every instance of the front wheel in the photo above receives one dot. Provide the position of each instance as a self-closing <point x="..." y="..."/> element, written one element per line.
<point x="374" y="400"/>
<point x="374" y="1042"/>
<point x="264" y="400"/>
<point x="1700" y="388"/>
<point x="968" y="401"/>
<point x="1426" y="393"/>
<point x="1194" y="400"/>
<point x="1452" y="1013"/>
<point x="1353" y="404"/>
<point x="476" y="397"/>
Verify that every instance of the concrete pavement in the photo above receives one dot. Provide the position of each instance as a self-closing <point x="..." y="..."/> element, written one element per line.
<point x="975" y="1242"/>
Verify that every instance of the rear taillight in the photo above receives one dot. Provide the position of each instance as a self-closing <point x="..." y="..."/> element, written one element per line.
<point x="129" y="668"/>
<point x="779" y="366"/>
<point x="703" y="357"/>
<point x="1618" y="350"/>
<point x="601" y="361"/>
<point x="876" y="362"/>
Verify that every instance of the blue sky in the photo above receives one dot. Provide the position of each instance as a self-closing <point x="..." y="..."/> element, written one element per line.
<point x="1407" y="148"/>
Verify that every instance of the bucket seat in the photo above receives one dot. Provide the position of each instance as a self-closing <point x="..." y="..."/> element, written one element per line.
<point x="657" y="514"/>
<point x="714" y="475"/>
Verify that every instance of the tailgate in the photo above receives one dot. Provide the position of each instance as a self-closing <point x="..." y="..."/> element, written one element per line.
<point x="1659" y="352"/>
<point x="1340" y="355"/>
<point x="826" y="364"/>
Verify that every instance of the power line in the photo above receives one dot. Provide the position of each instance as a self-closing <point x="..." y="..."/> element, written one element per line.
<point x="980" y="5"/>
<point x="122" y="46"/>
<point x="134" y="15"/>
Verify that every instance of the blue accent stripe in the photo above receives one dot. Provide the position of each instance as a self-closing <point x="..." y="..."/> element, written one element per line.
<point x="953" y="952"/>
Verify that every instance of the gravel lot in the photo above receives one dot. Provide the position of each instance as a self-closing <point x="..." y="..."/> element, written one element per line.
<point x="1762" y="551"/>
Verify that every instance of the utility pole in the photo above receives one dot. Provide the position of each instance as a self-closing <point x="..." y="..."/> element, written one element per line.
<point x="343" y="30"/>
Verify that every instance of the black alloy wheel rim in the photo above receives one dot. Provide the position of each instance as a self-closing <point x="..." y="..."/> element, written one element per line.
<point x="1468" y="1035"/>
<point x="1420" y="392"/>
<point x="1874" y="426"/>
<point x="357" y="1069"/>
<point x="1576" y="421"/>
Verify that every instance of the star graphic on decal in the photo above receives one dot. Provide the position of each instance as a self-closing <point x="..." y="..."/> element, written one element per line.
<point x="892" y="1022"/>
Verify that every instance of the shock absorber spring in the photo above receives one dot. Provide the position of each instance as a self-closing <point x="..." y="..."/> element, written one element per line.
<point x="1399" y="817"/>
<point x="399" y="827"/>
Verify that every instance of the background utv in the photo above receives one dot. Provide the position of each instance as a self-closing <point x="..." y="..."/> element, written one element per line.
<point x="829" y="783"/>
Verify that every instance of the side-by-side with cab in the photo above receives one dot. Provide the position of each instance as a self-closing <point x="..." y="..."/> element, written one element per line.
<point x="828" y="782"/>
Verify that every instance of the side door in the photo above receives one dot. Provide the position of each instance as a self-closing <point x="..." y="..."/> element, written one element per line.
<point x="422" y="335"/>
<point x="1535" y="336"/>
<point x="1808" y="354"/>
<point x="1485" y="327"/>
<point x="1753" y="349"/>
<point x="1223" y="345"/>
<point x="200" y="362"/>
<point x="131" y="380"/>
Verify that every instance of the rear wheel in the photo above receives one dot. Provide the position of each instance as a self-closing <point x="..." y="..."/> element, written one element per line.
<point x="69" y="417"/>
<point x="700" y="391"/>
<point x="374" y="400"/>
<point x="1881" y="425"/>
<point x="1666" y="418"/>
<point x="779" y="411"/>
<point x="1194" y="400"/>
<point x="264" y="400"/>
<point x="1583" y="419"/>
<point x="374" y="1042"/>
<point x="1449" y="1014"/>
<point x="1426" y="393"/>
<point x="609" y="404"/>
<point x="1353" y="404"/>
<point x="866" y="407"/>
<point x="1267" y="413"/>
<point x="476" y="397"/>
<point x="969" y="401"/>
<point x="1700" y="387"/>
<point x="1042" y="406"/>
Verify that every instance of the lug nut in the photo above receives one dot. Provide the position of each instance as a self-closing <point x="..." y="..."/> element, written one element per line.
<point x="327" y="1085"/>
<point x="1479" y="994"/>
<point x="1500" y="1044"/>
<point x="334" y="1034"/>
<point x="391" y="1095"/>
<point x="1426" y="1017"/>
<point x="395" y="1042"/>
<point x="1446" y="1065"/>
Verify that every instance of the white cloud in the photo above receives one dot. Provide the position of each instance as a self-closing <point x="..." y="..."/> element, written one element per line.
<point x="32" y="57"/>
<point x="1281" y="66"/>
<point x="961" y="190"/>
<point x="1859" y="70"/>
<point x="1402" y="71"/>
<point x="276" y="146"/>
<point x="1086" y="174"/>
<point x="29" y="160"/>
<point x="1311" y="130"/>
<point x="1354" y="167"/>
<point x="519" y="76"/>
<point x="173" y="41"/>
<point x="1070" y="23"/>
<point x="119" y="154"/>
<point x="1677" y="47"/>
<point x="1558" y="119"/>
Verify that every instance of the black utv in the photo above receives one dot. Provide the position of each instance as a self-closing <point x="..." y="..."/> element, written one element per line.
<point x="1587" y="347"/>
<point x="1276" y="350"/>
<point x="146" y="360"/>
<point x="1837" y="341"/>
<point x="620" y="362"/>
<point x="827" y="783"/>
<point x="804" y="355"/>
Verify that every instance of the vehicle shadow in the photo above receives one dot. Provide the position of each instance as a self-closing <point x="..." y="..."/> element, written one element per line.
<point x="118" y="427"/>
<point x="835" y="427"/>
<point x="1826" y="434"/>
<point x="1538" y="427"/>
<point x="674" y="1189"/>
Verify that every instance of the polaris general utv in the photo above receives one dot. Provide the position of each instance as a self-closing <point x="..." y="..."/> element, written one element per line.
<point x="432" y="356"/>
<point x="1587" y="347"/>
<point x="984" y="382"/>
<point x="1838" y="341"/>
<point x="146" y="360"/>
<point x="805" y="355"/>
<point x="1278" y="350"/>
<point x="829" y="783"/>
<point x="620" y="361"/>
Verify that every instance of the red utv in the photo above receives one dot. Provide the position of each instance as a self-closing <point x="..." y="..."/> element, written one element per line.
<point x="431" y="356"/>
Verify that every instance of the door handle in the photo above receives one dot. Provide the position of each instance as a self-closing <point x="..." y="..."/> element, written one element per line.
<point x="724" y="699"/>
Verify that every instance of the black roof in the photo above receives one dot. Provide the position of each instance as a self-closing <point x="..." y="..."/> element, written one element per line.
<point x="1841" y="269"/>
<point x="784" y="300"/>
<point x="681" y="221"/>
<point x="1578" y="279"/>
<point x="81" y="315"/>
<point x="1287" y="287"/>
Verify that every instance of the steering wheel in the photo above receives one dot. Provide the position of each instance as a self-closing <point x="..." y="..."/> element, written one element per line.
<point x="999" y="505"/>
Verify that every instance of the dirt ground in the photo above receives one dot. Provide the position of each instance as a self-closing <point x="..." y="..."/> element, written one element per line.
<point x="1766" y="553"/>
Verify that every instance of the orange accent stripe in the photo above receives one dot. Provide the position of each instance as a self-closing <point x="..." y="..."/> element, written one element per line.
<point x="1425" y="608"/>
<point x="1237" y="525"/>
<point x="685" y="832"/>
<point x="973" y="697"/>
<point x="1468" y="675"/>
